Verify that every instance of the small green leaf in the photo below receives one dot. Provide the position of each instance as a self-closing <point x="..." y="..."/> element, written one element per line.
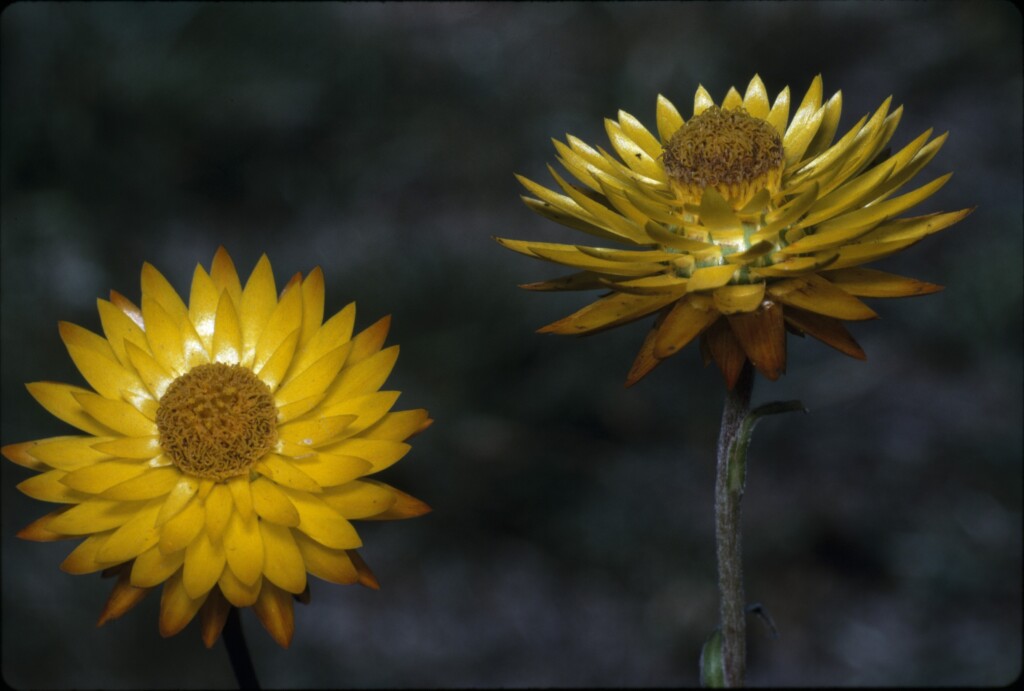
<point x="712" y="671"/>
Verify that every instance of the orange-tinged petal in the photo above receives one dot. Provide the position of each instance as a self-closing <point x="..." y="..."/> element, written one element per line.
<point x="762" y="335"/>
<point x="122" y="598"/>
<point x="405" y="506"/>
<point x="19" y="453"/>
<point x="243" y="547"/>
<point x="681" y="325"/>
<point x="282" y="561"/>
<point x="366" y="576"/>
<point x="214" y="615"/>
<point x="826" y="329"/>
<point x="726" y="351"/>
<point x="370" y="340"/>
<point x="153" y="567"/>
<point x="129" y="308"/>
<point x="59" y="400"/>
<point x="177" y="609"/>
<point x="39" y="531"/>
<point x="274" y="609"/>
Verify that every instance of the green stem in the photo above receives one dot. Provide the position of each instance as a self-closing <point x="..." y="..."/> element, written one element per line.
<point x="729" y="480"/>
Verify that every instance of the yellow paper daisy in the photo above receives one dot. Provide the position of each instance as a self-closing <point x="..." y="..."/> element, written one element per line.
<point x="227" y="447"/>
<point x="737" y="225"/>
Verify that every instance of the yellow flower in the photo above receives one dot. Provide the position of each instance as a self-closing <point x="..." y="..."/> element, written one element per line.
<point x="737" y="225"/>
<point x="226" y="447"/>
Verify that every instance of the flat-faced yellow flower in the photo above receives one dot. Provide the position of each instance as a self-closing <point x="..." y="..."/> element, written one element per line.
<point x="226" y="447"/>
<point x="737" y="225"/>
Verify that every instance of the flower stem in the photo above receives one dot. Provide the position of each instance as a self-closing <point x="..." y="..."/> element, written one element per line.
<point x="238" y="653"/>
<point x="729" y="481"/>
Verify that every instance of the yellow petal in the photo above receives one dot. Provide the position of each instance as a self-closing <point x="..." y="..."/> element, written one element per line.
<point x="282" y="562"/>
<point x="702" y="100"/>
<point x="804" y="126"/>
<point x="609" y="311"/>
<point x="330" y="470"/>
<point x="48" y="487"/>
<point x="639" y="134"/>
<point x="59" y="400"/>
<point x="878" y="284"/>
<point x="18" y="453"/>
<point x="360" y="499"/>
<point x="312" y="304"/>
<point x="142" y="448"/>
<point x="368" y="409"/>
<point x="157" y="288"/>
<point x="668" y="118"/>
<point x="183" y="528"/>
<point x="732" y="99"/>
<point x="632" y="153"/>
<point x="97" y="477"/>
<point x="119" y="329"/>
<point x="84" y="558"/>
<point x="404" y="506"/>
<point x="177" y="609"/>
<point x="227" y="333"/>
<point x="153" y="374"/>
<point x="39" y="529"/>
<point x="380" y="453"/>
<point x="778" y="116"/>
<point x="816" y="294"/>
<point x="335" y="332"/>
<point x="224" y="276"/>
<point x="315" y="432"/>
<point x="271" y="503"/>
<point x="94" y="516"/>
<point x="204" y="562"/>
<point x="182" y="491"/>
<point x="285" y="473"/>
<point x="164" y="337"/>
<point x="243" y="547"/>
<point x="276" y="367"/>
<point x="284" y="321"/>
<point x="364" y="377"/>
<point x="202" y="306"/>
<point x="241" y="495"/>
<point x="129" y="308"/>
<point x="259" y="298"/>
<point x="116" y="414"/>
<point x="755" y="100"/>
<point x="738" y="298"/>
<point x="237" y="593"/>
<point x="332" y="565"/>
<point x="218" y="511"/>
<point x="153" y="567"/>
<point x="134" y="537"/>
<point x="68" y="452"/>
<point x="710" y="277"/>
<point x="322" y="523"/>
<point x="315" y="379"/>
<point x="401" y="425"/>
<point x="154" y="482"/>
<point x="274" y="609"/>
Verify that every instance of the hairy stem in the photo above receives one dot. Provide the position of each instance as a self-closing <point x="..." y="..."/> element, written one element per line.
<point x="729" y="481"/>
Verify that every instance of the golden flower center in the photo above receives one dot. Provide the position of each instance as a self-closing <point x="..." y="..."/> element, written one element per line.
<point x="729" y="150"/>
<point x="216" y="421"/>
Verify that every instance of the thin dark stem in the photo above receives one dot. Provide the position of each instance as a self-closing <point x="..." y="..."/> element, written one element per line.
<point x="730" y="477"/>
<point x="238" y="652"/>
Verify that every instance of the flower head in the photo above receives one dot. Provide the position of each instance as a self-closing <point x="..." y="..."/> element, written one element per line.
<point x="737" y="225"/>
<point x="227" y="446"/>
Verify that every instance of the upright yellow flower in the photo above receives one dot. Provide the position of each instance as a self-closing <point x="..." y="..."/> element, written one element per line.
<point x="226" y="447"/>
<point x="737" y="225"/>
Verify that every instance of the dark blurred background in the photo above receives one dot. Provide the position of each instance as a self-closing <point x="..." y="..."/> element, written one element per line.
<point x="572" y="539"/>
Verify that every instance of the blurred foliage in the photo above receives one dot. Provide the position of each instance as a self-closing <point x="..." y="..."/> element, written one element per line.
<point x="572" y="538"/>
